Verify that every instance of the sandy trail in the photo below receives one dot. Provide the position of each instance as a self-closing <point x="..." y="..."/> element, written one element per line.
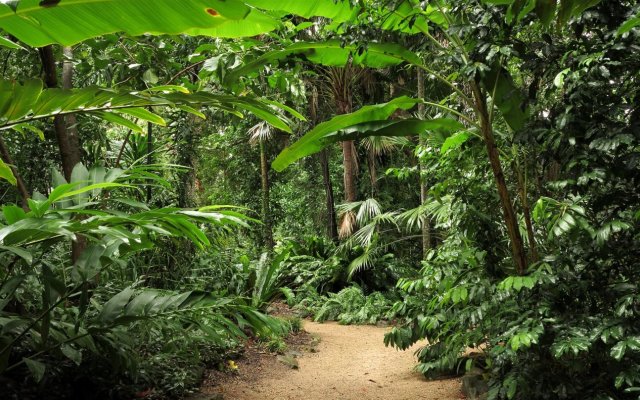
<point x="351" y="363"/>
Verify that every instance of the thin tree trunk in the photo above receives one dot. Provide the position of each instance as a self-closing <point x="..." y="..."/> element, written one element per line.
<point x="373" y="173"/>
<point x="20" y="185"/>
<point x="69" y="147"/>
<point x="426" y="221"/>
<point x="340" y="81"/>
<point x="526" y="210"/>
<point x="510" y="219"/>
<point x="266" y="214"/>
<point x="68" y="142"/>
<point x="332" y="225"/>
<point x="347" y="225"/>
<point x="348" y="159"/>
<point x="348" y="155"/>
<point x="70" y="120"/>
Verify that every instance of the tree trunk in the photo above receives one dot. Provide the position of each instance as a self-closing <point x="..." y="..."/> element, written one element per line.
<point x="332" y="225"/>
<point x="68" y="142"/>
<point x="20" y="185"/>
<point x="426" y="221"/>
<point x="510" y="219"/>
<point x="349" y="162"/>
<point x="266" y="214"/>
<point x="526" y="210"/>
<point x="66" y="135"/>
<point x="373" y="173"/>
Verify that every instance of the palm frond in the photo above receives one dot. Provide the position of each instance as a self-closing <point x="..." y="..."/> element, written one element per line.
<point x="368" y="210"/>
<point x="260" y="132"/>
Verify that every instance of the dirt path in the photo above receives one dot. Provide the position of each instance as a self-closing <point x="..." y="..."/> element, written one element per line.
<point x="351" y="363"/>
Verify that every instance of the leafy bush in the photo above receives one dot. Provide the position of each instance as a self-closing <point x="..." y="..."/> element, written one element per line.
<point x="348" y="306"/>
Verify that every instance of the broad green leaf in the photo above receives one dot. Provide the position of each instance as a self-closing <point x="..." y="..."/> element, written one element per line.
<point x="17" y="108"/>
<point x="22" y="128"/>
<point x="119" y="120"/>
<point x="72" y="21"/>
<point x="506" y="96"/>
<point x="4" y="42"/>
<point x="454" y="141"/>
<point x="143" y="114"/>
<point x="316" y="139"/>
<point x="7" y="174"/>
<point x="168" y="89"/>
<point x="629" y="25"/>
<point x="64" y="191"/>
<point x="115" y="306"/>
<point x="20" y="252"/>
<point x="192" y="110"/>
<point x="337" y="10"/>
<point x="69" y="22"/>
<point x="23" y="99"/>
<point x="331" y="53"/>
<point x="72" y="353"/>
<point x="617" y="351"/>
<point x="13" y="214"/>
<point x="36" y="368"/>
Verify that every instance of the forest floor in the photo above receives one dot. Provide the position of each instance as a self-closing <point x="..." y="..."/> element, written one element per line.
<point x="329" y="361"/>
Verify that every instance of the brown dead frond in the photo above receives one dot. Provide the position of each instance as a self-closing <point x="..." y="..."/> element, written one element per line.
<point x="347" y="224"/>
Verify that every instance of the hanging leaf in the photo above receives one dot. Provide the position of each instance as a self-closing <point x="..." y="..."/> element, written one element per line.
<point x="72" y="21"/>
<point x="511" y="102"/>
<point x="7" y="174"/>
<point x="368" y="121"/>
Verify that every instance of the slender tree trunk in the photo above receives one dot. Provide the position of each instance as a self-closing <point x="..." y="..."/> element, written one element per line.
<point x="348" y="156"/>
<point x="70" y="120"/>
<point x="68" y="144"/>
<point x="20" y="185"/>
<point x="340" y="81"/>
<point x="510" y="219"/>
<point x="426" y="221"/>
<point x="67" y="138"/>
<point x="332" y="226"/>
<point x="349" y="161"/>
<point x="526" y="210"/>
<point x="266" y="214"/>
<point x="373" y="173"/>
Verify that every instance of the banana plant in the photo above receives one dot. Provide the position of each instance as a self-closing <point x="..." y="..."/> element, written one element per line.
<point x="39" y="23"/>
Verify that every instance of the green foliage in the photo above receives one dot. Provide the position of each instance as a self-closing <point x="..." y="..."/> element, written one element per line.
<point x="77" y="20"/>
<point x="52" y="311"/>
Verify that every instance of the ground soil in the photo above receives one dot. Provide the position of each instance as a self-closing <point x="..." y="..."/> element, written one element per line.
<point x="334" y="362"/>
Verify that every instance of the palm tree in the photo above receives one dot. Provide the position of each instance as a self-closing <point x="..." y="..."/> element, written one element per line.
<point x="339" y="85"/>
<point x="260" y="134"/>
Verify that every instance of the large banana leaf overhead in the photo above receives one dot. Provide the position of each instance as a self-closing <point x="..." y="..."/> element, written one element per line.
<point x="67" y="22"/>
